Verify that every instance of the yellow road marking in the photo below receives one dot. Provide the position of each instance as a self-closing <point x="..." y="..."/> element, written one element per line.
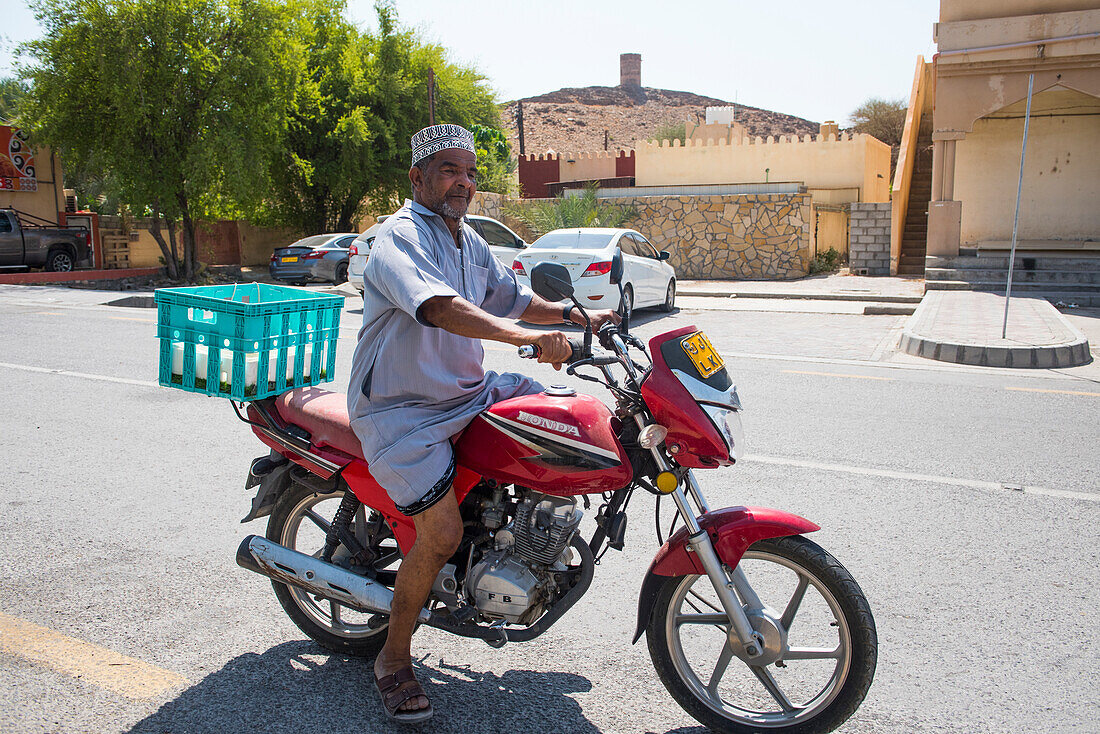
<point x="47" y="313"/>
<point x="837" y="374"/>
<point x="1058" y="392"/>
<point x="131" y="318"/>
<point x="84" y="661"/>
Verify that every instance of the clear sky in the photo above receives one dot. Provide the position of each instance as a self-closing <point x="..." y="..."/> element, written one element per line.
<point x="817" y="60"/>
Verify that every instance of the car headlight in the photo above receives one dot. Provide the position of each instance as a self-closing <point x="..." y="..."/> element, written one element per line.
<point x="728" y="422"/>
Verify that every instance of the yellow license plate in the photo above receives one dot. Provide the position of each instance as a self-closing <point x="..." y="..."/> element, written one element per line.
<point x="702" y="354"/>
<point x="290" y="259"/>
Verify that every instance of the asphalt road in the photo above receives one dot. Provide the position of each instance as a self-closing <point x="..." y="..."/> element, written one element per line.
<point x="964" y="500"/>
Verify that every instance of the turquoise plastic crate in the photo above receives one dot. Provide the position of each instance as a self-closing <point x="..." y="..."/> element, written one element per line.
<point x="246" y="341"/>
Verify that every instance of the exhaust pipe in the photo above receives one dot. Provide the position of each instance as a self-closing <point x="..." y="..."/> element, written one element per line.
<point x="327" y="580"/>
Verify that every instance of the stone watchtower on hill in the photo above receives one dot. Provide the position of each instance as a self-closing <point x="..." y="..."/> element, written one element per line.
<point x="630" y="70"/>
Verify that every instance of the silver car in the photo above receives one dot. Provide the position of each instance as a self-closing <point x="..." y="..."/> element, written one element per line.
<point x="321" y="257"/>
<point x="503" y="242"/>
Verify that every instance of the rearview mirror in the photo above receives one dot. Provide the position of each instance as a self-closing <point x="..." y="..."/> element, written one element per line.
<point x="551" y="281"/>
<point x="617" y="267"/>
<point x="663" y="255"/>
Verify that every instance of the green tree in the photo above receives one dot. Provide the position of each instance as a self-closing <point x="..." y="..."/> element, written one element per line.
<point x="881" y="118"/>
<point x="362" y="97"/>
<point x="12" y="92"/>
<point x="671" y="131"/>
<point x="495" y="165"/>
<point x="179" y="101"/>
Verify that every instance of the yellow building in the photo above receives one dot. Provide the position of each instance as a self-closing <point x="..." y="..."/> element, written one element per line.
<point x="987" y="51"/>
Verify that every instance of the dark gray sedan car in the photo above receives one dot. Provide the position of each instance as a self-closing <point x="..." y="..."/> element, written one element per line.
<point x="321" y="257"/>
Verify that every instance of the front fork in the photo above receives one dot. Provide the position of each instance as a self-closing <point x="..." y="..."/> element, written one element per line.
<point x="733" y="588"/>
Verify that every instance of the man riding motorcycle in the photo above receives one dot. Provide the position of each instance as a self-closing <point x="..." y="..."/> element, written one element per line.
<point x="432" y="290"/>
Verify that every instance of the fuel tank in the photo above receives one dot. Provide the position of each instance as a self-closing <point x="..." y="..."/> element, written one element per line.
<point x="557" y="442"/>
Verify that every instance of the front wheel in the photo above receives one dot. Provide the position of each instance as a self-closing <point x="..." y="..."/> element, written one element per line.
<point x="300" y="521"/>
<point x="821" y="644"/>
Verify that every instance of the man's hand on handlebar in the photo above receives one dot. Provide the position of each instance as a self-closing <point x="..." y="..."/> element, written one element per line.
<point x="599" y="318"/>
<point x="553" y="348"/>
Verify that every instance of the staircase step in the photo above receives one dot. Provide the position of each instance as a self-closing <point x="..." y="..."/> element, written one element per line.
<point x="945" y="285"/>
<point x="1023" y="262"/>
<point x="1056" y="278"/>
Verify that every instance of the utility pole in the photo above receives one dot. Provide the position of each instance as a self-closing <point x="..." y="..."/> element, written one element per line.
<point x="431" y="96"/>
<point x="519" y="125"/>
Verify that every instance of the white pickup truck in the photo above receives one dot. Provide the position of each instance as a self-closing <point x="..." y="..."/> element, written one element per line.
<point x="28" y="245"/>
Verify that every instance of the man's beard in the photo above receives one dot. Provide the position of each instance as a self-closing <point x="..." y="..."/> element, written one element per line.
<point x="446" y="209"/>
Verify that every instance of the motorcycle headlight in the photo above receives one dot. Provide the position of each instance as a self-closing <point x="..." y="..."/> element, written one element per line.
<point x="728" y="423"/>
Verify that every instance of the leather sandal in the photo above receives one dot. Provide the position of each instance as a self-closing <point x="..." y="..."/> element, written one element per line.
<point x="393" y="696"/>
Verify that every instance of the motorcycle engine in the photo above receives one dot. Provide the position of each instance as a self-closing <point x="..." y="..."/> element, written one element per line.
<point x="513" y="581"/>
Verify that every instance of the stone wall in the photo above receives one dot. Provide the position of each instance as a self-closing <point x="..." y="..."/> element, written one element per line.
<point x="750" y="236"/>
<point x="869" y="239"/>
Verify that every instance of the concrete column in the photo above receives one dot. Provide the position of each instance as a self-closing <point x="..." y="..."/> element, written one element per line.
<point x="937" y="170"/>
<point x="948" y="170"/>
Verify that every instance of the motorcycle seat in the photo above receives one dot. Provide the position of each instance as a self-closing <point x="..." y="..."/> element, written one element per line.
<point x="324" y="414"/>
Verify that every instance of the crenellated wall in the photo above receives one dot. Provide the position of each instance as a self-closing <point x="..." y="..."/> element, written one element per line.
<point x="535" y="172"/>
<point x="855" y="162"/>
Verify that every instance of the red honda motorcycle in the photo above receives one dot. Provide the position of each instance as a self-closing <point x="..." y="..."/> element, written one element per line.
<point x="739" y="583"/>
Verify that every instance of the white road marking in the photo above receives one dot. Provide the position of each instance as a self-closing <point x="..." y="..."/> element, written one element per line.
<point x="931" y="478"/>
<point x="82" y="375"/>
<point x="84" y="661"/>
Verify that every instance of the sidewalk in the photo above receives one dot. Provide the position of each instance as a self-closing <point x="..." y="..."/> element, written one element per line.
<point x="951" y="326"/>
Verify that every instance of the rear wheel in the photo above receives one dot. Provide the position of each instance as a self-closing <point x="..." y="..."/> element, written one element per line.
<point x="59" y="261"/>
<point x="300" y="521"/>
<point x="341" y="273"/>
<point x="821" y="644"/>
<point x="670" y="297"/>
<point x="626" y="308"/>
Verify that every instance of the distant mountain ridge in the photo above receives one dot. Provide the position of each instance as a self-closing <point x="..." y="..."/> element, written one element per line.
<point x="574" y="119"/>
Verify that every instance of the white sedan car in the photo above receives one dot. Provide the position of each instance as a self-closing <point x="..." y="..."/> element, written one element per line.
<point x="586" y="253"/>
<point x="503" y="242"/>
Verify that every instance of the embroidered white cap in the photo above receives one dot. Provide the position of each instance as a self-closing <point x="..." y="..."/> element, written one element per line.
<point x="435" y="138"/>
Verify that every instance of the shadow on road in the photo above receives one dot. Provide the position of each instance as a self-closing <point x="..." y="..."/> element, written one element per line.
<point x="298" y="686"/>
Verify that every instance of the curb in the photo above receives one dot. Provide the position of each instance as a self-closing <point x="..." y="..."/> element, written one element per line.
<point x="869" y="297"/>
<point x="1072" y="353"/>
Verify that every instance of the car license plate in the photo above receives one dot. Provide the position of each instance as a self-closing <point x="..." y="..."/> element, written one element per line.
<point x="290" y="259"/>
<point x="702" y="354"/>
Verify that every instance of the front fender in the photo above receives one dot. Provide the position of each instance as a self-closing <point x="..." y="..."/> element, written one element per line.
<point x="732" y="530"/>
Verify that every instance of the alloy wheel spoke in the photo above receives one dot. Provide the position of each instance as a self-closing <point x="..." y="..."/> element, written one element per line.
<point x="335" y="610"/>
<point x="766" y="679"/>
<point x="812" y="653"/>
<point x="795" y="602"/>
<point x="318" y="520"/>
<point x="720" y="670"/>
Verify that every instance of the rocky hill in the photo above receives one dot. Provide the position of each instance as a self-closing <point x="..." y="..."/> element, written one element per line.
<point x="574" y="120"/>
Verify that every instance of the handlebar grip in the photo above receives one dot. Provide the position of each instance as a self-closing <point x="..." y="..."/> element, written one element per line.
<point x="532" y="351"/>
<point x="578" y="349"/>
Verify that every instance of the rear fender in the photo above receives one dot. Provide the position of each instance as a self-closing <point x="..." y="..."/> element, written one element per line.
<point x="732" y="530"/>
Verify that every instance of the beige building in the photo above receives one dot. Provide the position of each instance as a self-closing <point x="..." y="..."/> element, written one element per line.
<point x="987" y="51"/>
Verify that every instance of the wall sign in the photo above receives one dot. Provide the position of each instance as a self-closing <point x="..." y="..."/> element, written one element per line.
<point x="16" y="161"/>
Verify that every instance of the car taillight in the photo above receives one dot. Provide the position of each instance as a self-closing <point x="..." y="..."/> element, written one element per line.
<point x="597" y="269"/>
<point x="274" y="257"/>
<point x="517" y="266"/>
<point x="353" y="251"/>
<point x="315" y="255"/>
